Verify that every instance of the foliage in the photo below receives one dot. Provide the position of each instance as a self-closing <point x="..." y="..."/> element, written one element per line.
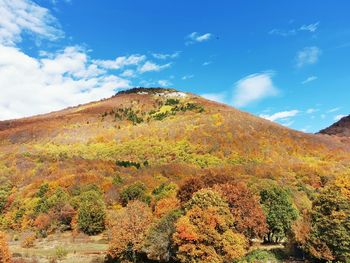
<point x="128" y="164"/>
<point x="158" y="244"/>
<point x="5" y="256"/>
<point x="135" y="191"/>
<point x="204" y="233"/>
<point x="165" y="190"/>
<point x="188" y="188"/>
<point x="91" y="213"/>
<point x="330" y="226"/>
<point x="28" y="240"/>
<point x="279" y="212"/>
<point x="246" y="210"/>
<point x="260" y="256"/>
<point x="166" y="205"/>
<point x="128" y="230"/>
<point x="61" y="252"/>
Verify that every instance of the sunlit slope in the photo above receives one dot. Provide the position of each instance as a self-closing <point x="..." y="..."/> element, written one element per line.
<point x="156" y="128"/>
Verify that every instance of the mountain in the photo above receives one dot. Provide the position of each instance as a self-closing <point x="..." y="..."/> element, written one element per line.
<point x="159" y="128"/>
<point x="74" y="169"/>
<point x="341" y="128"/>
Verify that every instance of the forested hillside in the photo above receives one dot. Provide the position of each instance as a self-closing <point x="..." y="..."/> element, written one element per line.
<point x="169" y="176"/>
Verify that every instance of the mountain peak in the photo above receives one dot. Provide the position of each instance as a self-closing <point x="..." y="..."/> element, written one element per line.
<point x="341" y="128"/>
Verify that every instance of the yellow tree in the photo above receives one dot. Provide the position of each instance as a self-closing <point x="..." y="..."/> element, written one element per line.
<point x="5" y="256"/>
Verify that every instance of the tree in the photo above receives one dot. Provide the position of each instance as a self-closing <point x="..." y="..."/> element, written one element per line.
<point x="3" y="200"/>
<point x="158" y="244"/>
<point x="135" y="191"/>
<point x="129" y="228"/>
<point x="166" y="205"/>
<point x="330" y="226"/>
<point x="249" y="218"/>
<point x="5" y="256"/>
<point x="91" y="213"/>
<point x="205" y="233"/>
<point x="279" y="211"/>
<point x="188" y="188"/>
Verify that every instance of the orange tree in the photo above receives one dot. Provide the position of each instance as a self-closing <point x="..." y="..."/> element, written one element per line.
<point x="128" y="228"/>
<point x="205" y="233"/>
<point x="249" y="218"/>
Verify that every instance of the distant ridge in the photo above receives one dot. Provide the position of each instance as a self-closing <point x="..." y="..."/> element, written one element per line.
<point x="341" y="128"/>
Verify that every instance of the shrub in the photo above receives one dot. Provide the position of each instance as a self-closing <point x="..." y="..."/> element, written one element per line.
<point x="260" y="256"/>
<point x="61" y="252"/>
<point x="128" y="164"/>
<point x="28" y="240"/>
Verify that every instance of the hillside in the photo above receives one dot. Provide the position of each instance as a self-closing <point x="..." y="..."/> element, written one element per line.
<point x="341" y="128"/>
<point x="153" y="137"/>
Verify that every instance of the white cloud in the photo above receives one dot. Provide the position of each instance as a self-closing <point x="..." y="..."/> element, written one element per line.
<point x="121" y="62"/>
<point x="186" y="77"/>
<point x="282" y="115"/>
<point x="195" y="37"/>
<point x="253" y="88"/>
<point x="338" y="117"/>
<point x="150" y="66"/>
<point x="164" y="83"/>
<point x="309" y="79"/>
<point x="311" y="27"/>
<point x="166" y="56"/>
<point x="218" y="97"/>
<point x="128" y="73"/>
<point x="39" y="85"/>
<point x="24" y="16"/>
<point x="308" y="55"/>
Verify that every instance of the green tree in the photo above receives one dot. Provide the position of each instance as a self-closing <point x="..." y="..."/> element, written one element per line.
<point x="3" y="200"/>
<point x="158" y="244"/>
<point x="330" y="226"/>
<point x="279" y="211"/>
<point x="135" y="191"/>
<point x="91" y="213"/>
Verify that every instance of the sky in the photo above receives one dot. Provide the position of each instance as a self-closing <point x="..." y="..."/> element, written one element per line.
<point x="286" y="61"/>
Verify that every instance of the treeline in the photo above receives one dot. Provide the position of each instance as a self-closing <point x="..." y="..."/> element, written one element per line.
<point x="204" y="219"/>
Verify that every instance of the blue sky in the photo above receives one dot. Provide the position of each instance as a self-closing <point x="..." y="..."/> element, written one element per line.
<point x="285" y="61"/>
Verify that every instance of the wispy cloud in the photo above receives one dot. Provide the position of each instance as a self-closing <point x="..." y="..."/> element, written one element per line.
<point x="186" y="77"/>
<point x="282" y="115"/>
<point x="310" y="27"/>
<point x="195" y="37"/>
<point x="253" y="88"/>
<point x="164" y="56"/>
<point x="333" y="110"/>
<point x="307" y="56"/>
<point x="311" y="110"/>
<point x="309" y="79"/>
<point x="207" y="63"/>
